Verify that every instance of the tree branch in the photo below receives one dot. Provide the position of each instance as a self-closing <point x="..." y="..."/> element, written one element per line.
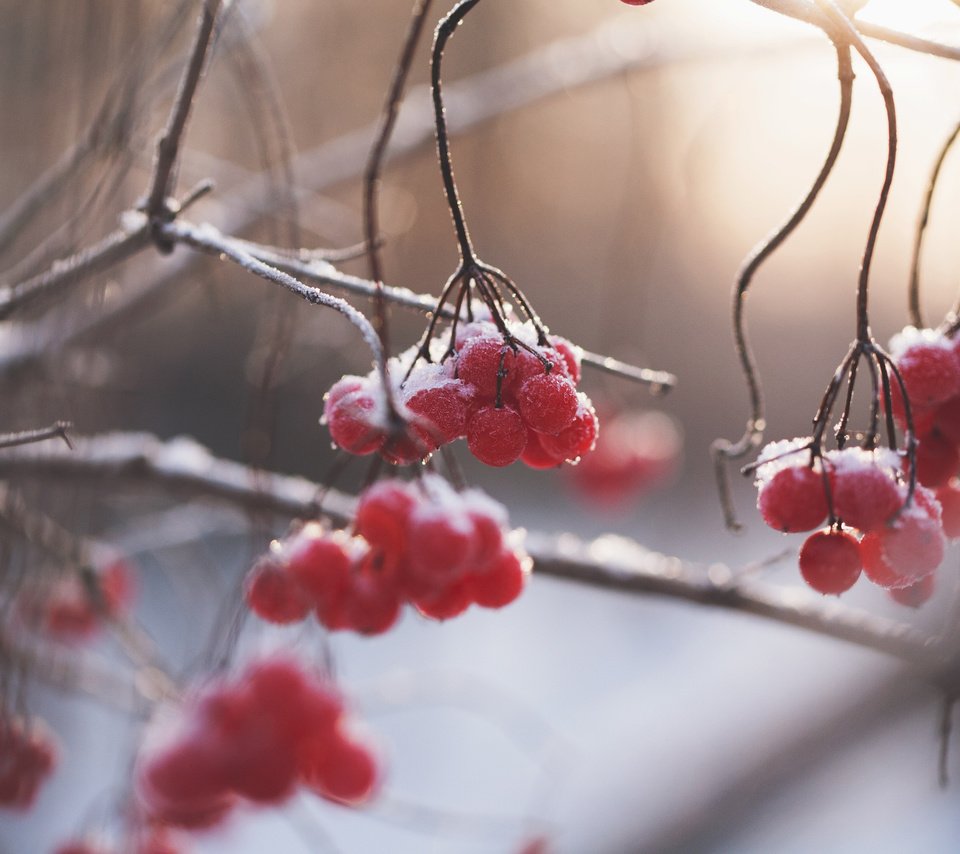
<point x="182" y="467"/>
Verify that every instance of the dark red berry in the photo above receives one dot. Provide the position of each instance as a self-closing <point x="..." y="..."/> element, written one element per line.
<point x="830" y="561"/>
<point x="274" y="595"/>
<point x="793" y="500"/>
<point x="548" y="402"/>
<point x="496" y="437"/>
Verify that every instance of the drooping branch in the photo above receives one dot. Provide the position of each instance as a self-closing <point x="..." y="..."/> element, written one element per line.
<point x="186" y="469"/>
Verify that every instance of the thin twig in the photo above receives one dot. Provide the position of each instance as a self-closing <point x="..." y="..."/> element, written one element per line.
<point x="208" y="239"/>
<point x="168" y="146"/>
<point x="916" y="315"/>
<point x="371" y="177"/>
<point x="28" y="437"/>
<point x="114" y="248"/>
<point x="185" y="468"/>
<point x="722" y="449"/>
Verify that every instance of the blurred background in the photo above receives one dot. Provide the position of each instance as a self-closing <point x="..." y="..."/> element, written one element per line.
<point x="619" y="164"/>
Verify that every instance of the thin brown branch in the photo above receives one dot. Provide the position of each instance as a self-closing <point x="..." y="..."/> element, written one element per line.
<point x="168" y="146"/>
<point x="28" y="437"/>
<point x="184" y="468"/>
<point x="64" y="272"/>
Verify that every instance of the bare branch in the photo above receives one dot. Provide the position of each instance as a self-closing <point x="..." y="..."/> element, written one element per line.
<point x="63" y="273"/>
<point x="183" y="467"/>
<point x="168" y="146"/>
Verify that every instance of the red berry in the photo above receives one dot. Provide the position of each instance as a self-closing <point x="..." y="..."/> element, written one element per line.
<point x="937" y="459"/>
<point x="865" y="495"/>
<point x="578" y="438"/>
<point x="407" y="447"/>
<point x="441" y="542"/>
<point x="373" y="600"/>
<point x="320" y="564"/>
<point x="946" y="419"/>
<point x="481" y="360"/>
<point x="383" y="515"/>
<point x="353" y="423"/>
<point x="548" y="402"/>
<point x="914" y="544"/>
<point x="442" y="412"/>
<point x="830" y="561"/>
<point x="916" y="594"/>
<point x="28" y="754"/>
<point x="793" y="500"/>
<point x="347" y="773"/>
<point x="274" y="595"/>
<point x="571" y="355"/>
<point x="929" y="369"/>
<point x="447" y="602"/>
<point x="496" y="437"/>
<point x="949" y="498"/>
<point x="499" y="583"/>
<point x="536" y="456"/>
<point x="875" y="565"/>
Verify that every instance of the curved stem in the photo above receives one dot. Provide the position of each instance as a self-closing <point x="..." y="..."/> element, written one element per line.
<point x="371" y="185"/>
<point x="723" y="449"/>
<point x="916" y="318"/>
<point x="853" y="37"/>
<point x="444" y="30"/>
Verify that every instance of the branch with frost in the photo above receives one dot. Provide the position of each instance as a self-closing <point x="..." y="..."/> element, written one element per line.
<point x="184" y="468"/>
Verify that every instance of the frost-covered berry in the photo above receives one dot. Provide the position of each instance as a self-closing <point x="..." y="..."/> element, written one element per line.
<point x="830" y="561"/>
<point x="480" y="362"/>
<point x="576" y="439"/>
<point x="548" y="402"/>
<point x="274" y="595"/>
<point x="793" y="500"/>
<point x="496" y="437"/>
<point x="501" y="582"/>
<point x="949" y="498"/>
<point x="865" y="493"/>
<point x="927" y="364"/>
<point x="916" y="594"/>
<point x="353" y="421"/>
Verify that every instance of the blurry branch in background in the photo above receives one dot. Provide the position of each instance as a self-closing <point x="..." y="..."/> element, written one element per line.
<point x="184" y="468"/>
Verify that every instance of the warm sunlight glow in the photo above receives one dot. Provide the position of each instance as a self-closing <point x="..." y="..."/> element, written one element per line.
<point x="909" y="14"/>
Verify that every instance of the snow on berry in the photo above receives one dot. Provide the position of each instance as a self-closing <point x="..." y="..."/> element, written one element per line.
<point x="830" y="561"/>
<point x="916" y="594"/>
<point x="864" y="488"/>
<point x="793" y="498"/>
<point x="421" y="542"/>
<point x="927" y="364"/>
<point x="254" y="736"/>
<point x="28" y="755"/>
<point x="521" y="387"/>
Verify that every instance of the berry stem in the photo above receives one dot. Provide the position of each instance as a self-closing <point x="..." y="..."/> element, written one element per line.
<point x="853" y="38"/>
<point x="371" y="187"/>
<point x="724" y="450"/>
<point x="916" y="316"/>
<point x="444" y="31"/>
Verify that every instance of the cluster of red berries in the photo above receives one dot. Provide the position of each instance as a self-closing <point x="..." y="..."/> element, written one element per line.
<point x="898" y="545"/>
<point x="256" y="737"/>
<point x="28" y="755"/>
<point x="512" y="400"/>
<point x="929" y="364"/>
<point x="421" y="542"/>
<point x="636" y="453"/>
<point x="72" y="608"/>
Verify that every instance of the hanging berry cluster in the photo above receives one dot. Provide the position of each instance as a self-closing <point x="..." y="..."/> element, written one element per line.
<point x="255" y="737"/>
<point x="28" y="755"/>
<point x="421" y="542"/>
<point x="897" y="543"/>
<point x="510" y="397"/>
<point x="74" y="607"/>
